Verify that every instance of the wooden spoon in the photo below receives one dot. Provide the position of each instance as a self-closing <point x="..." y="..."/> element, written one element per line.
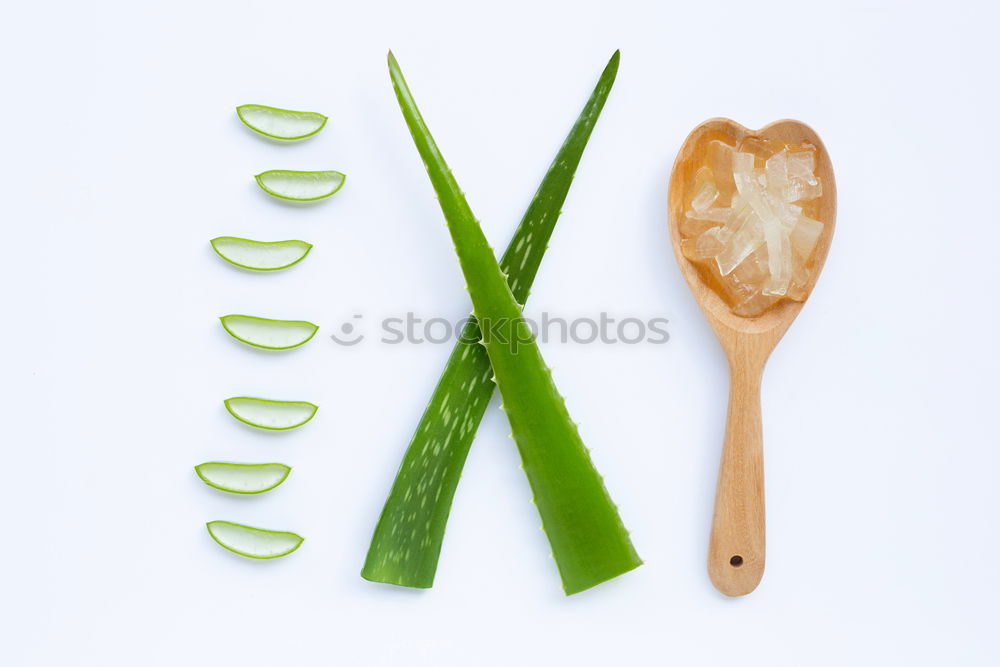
<point x="736" y="547"/>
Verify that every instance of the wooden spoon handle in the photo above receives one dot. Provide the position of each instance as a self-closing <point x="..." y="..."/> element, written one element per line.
<point x="736" y="548"/>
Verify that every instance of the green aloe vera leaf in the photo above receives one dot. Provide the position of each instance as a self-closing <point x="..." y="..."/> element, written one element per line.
<point x="260" y="255"/>
<point x="244" y="478"/>
<point x="300" y="185"/>
<point x="269" y="414"/>
<point x="268" y="334"/>
<point x="589" y="541"/>
<point x="253" y="542"/>
<point x="407" y="540"/>
<point x="283" y="124"/>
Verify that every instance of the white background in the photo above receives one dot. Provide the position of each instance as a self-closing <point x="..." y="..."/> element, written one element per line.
<point x="122" y="157"/>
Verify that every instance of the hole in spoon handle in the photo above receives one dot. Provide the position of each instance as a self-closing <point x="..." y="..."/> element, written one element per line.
<point x="736" y="548"/>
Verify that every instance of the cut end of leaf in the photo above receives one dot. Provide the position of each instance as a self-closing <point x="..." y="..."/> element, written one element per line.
<point x="245" y="478"/>
<point x="300" y="185"/>
<point x="393" y="577"/>
<point x="260" y="255"/>
<point x="269" y="414"/>
<point x="283" y="124"/>
<point x="253" y="542"/>
<point x="268" y="334"/>
<point x="577" y="584"/>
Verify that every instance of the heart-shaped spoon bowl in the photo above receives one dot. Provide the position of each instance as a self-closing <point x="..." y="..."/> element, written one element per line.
<point x="736" y="549"/>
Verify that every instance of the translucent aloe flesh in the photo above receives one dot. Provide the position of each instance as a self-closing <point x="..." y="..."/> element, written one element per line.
<point x="268" y="334"/>
<point x="245" y="478"/>
<point x="253" y="542"/>
<point x="407" y="540"/>
<point x="300" y="185"/>
<point x="282" y="124"/>
<point x="589" y="542"/>
<point x="260" y="255"/>
<point x="269" y="414"/>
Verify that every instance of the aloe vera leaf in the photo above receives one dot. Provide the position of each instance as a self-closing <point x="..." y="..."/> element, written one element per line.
<point x="589" y="541"/>
<point x="244" y="478"/>
<point x="268" y="334"/>
<point x="407" y="541"/>
<point x="269" y="414"/>
<point x="260" y="255"/>
<point x="253" y="542"/>
<point x="283" y="124"/>
<point x="300" y="185"/>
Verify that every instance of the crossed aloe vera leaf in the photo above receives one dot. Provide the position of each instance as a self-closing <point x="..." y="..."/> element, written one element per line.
<point x="589" y="542"/>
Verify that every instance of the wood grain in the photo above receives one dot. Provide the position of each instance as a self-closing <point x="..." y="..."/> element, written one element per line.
<point x="736" y="547"/>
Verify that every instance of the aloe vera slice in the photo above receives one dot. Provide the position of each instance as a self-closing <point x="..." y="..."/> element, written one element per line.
<point x="268" y="334"/>
<point x="589" y="541"/>
<point x="253" y="542"/>
<point x="247" y="478"/>
<point x="406" y="543"/>
<point x="282" y="124"/>
<point x="260" y="255"/>
<point x="300" y="185"/>
<point x="269" y="414"/>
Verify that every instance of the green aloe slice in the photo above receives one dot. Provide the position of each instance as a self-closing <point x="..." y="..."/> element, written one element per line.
<point x="247" y="478"/>
<point x="268" y="334"/>
<point x="253" y="542"/>
<point x="406" y="543"/>
<point x="300" y="185"/>
<point x="589" y="541"/>
<point x="282" y="124"/>
<point x="269" y="414"/>
<point x="260" y="255"/>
